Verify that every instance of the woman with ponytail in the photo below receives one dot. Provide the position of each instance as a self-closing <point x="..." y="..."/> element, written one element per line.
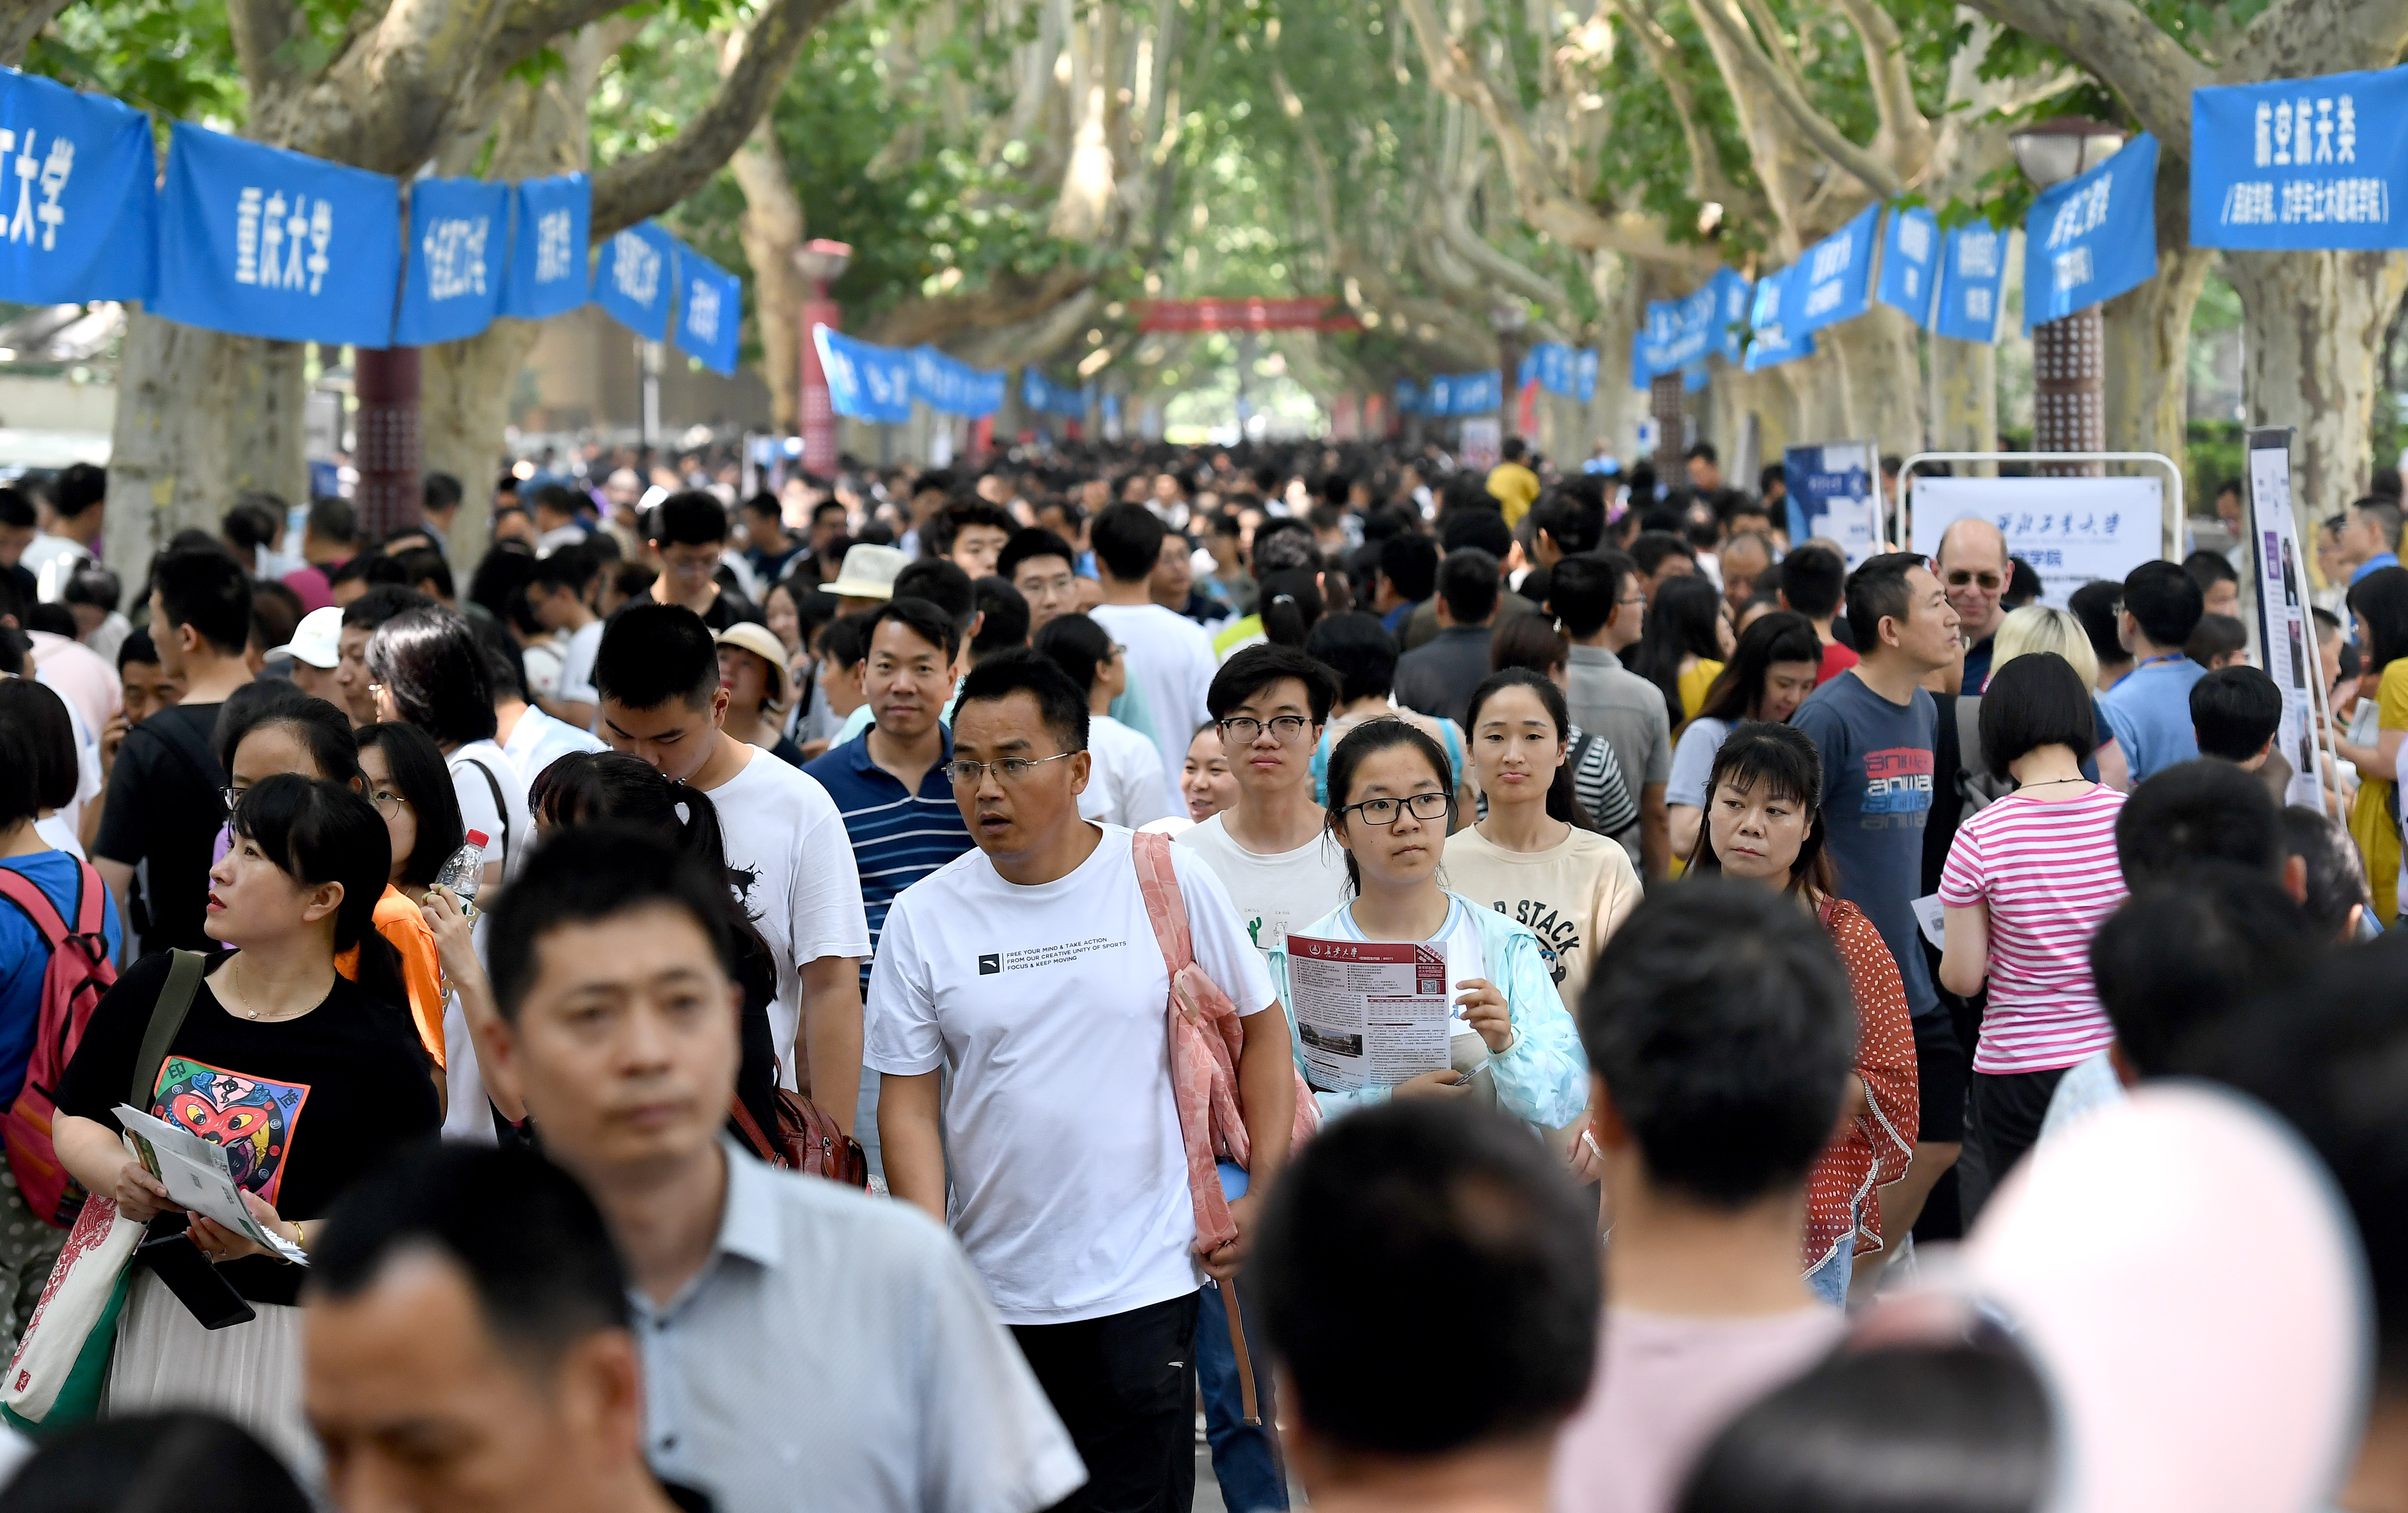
<point x="1291" y="601"/>
<point x="306" y="1078"/>
<point x="1536" y="857"/>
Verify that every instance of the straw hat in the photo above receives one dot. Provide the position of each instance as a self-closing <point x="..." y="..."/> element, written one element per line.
<point x="763" y="643"/>
<point x="868" y="573"/>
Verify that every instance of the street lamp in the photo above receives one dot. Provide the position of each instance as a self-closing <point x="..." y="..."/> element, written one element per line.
<point x="2068" y="354"/>
<point x="821" y="263"/>
<point x="1507" y="320"/>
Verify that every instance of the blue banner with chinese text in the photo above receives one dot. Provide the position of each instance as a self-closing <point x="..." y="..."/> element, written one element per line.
<point x="1972" y="278"/>
<point x="459" y="229"/>
<point x="257" y="241"/>
<point x="633" y="278"/>
<point x="711" y="310"/>
<point x="2301" y="164"/>
<point x="79" y="196"/>
<point x="864" y="381"/>
<point x="2093" y="236"/>
<point x="548" y="246"/>
<point x="1909" y="263"/>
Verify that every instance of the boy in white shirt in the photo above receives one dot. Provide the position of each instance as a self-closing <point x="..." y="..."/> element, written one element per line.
<point x="1171" y="656"/>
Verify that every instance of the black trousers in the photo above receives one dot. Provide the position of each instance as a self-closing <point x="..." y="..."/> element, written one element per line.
<point x="2003" y="1111"/>
<point x="1124" y="1386"/>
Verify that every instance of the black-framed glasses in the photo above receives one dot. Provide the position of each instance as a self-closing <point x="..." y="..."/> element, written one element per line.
<point x="1010" y="769"/>
<point x="1284" y="729"/>
<point x="1385" y="811"/>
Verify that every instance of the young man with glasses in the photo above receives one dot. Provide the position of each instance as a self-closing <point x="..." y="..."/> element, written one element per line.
<point x="1027" y="976"/>
<point x="1271" y="851"/>
<point x="1974" y="570"/>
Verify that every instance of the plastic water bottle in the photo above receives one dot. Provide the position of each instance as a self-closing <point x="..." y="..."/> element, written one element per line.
<point x="465" y="873"/>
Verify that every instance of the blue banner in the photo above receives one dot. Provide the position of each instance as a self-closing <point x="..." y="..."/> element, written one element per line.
<point x="1734" y="298"/>
<point x="1047" y="397"/>
<point x="2093" y="236"/>
<point x="1560" y="368"/>
<point x="2301" y="164"/>
<point x="83" y="223"/>
<point x="1454" y="393"/>
<point x="257" y="241"/>
<point x="1833" y="281"/>
<point x="866" y="382"/>
<point x="1972" y="270"/>
<point x="711" y="310"/>
<point x="1911" y="262"/>
<point x="548" y="247"/>
<point x="1831" y="492"/>
<point x="1770" y="341"/>
<point x="452" y="286"/>
<point x="633" y="278"/>
<point x="946" y="383"/>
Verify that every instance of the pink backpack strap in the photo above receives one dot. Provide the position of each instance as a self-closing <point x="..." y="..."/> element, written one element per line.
<point x="1157" y="879"/>
<point x="27" y="894"/>
<point x="1192" y="1066"/>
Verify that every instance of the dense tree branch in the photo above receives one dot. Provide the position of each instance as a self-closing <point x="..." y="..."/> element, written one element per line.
<point x="1707" y="183"/>
<point x="1544" y="204"/>
<point x="1904" y="129"/>
<point x="649" y="183"/>
<point x="2116" y="41"/>
<point x="532" y="25"/>
<point x="1869" y="168"/>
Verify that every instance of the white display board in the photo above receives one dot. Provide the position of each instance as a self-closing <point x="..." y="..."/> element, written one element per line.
<point x="2286" y="631"/>
<point x="2071" y="530"/>
<point x="1482" y="443"/>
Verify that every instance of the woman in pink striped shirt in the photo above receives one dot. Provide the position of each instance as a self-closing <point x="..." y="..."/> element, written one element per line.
<point x="2027" y="883"/>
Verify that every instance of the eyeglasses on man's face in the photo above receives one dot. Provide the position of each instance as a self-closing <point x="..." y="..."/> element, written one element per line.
<point x="1010" y="769"/>
<point x="1991" y="582"/>
<point x="1283" y="728"/>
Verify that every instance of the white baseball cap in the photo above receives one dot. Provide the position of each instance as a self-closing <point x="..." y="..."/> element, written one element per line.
<point x="317" y="640"/>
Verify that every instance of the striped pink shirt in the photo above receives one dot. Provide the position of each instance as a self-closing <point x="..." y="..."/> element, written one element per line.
<point x="2048" y="873"/>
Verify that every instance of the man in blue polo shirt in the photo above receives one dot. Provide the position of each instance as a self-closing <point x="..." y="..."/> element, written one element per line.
<point x="2148" y="710"/>
<point x="889" y="781"/>
<point x="2370" y="536"/>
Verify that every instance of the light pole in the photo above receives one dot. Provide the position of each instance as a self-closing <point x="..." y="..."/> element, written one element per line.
<point x="1507" y="319"/>
<point x="391" y="444"/>
<point x="821" y="263"/>
<point x="2068" y="353"/>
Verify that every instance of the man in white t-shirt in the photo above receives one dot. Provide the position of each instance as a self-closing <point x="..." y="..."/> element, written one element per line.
<point x="1273" y="850"/>
<point x="532" y="739"/>
<point x="1171" y="656"/>
<point x="657" y="676"/>
<point x="556" y="596"/>
<point x="1028" y="973"/>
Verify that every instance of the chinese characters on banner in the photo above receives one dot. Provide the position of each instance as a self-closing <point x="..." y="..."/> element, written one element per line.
<point x="633" y="278"/>
<point x="1454" y="393"/>
<point x="2300" y="165"/>
<point x="548" y="242"/>
<point x="1835" y="283"/>
<point x="711" y="308"/>
<point x="2285" y="629"/>
<point x="77" y="172"/>
<point x="1910" y="249"/>
<point x="1772" y="341"/>
<point x="2071" y="530"/>
<point x="258" y="241"/>
<point x="2093" y="236"/>
<point x="1833" y="495"/>
<point x="1972" y="278"/>
<point x="946" y="383"/>
<point x="452" y="285"/>
<point x="864" y="381"/>
<point x="1560" y="369"/>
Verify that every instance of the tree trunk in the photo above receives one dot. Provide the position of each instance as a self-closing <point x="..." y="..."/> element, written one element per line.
<point x="2148" y="355"/>
<point x="1880" y="377"/>
<point x="771" y="231"/>
<point x="200" y="416"/>
<point x="1820" y="389"/>
<point x="2311" y="331"/>
<point x="465" y="403"/>
<point x="1965" y="397"/>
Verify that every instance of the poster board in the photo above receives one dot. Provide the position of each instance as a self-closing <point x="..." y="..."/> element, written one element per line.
<point x="2071" y="530"/>
<point x="1481" y="442"/>
<point x="2286" y="631"/>
<point x="1835" y="493"/>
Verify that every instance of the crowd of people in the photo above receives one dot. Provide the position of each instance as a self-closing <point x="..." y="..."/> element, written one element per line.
<point x="840" y="997"/>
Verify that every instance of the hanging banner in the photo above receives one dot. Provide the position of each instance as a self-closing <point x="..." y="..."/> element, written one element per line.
<point x="1457" y="393"/>
<point x="1770" y="342"/>
<point x="633" y="278"/>
<point x="1734" y="298"/>
<point x="2093" y="236"/>
<point x="946" y="383"/>
<point x="1834" y="494"/>
<point x="83" y="223"/>
<point x="1047" y="397"/>
<point x="2285" y="628"/>
<point x="1909" y="263"/>
<point x="257" y="241"/>
<point x="2301" y="164"/>
<point x="452" y="285"/>
<point x="710" y="312"/>
<point x="2071" y="530"/>
<point x="1972" y="278"/>
<point x="866" y="382"/>
<point x="548" y="245"/>
<point x="1833" y="281"/>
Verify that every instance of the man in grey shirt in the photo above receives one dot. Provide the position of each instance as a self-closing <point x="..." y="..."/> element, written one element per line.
<point x="1599" y="602"/>
<point x="804" y="1345"/>
<point x="1440" y="679"/>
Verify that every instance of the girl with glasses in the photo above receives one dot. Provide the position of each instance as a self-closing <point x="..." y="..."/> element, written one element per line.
<point x="1390" y="811"/>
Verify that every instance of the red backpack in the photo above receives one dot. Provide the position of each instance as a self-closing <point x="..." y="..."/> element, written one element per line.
<point x="80" y="971"/>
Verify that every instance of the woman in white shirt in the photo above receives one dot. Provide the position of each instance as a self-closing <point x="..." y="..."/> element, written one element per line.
<point x="1535" y="857"/>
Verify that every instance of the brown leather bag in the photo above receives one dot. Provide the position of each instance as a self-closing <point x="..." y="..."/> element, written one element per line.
<point x="807" y="1140"/>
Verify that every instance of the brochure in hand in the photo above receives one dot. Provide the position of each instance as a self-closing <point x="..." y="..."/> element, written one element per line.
<point x="199" y="1177"/>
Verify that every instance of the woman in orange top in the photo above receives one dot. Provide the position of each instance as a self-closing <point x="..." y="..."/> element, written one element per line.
<point x="401" y="774"/>
<point x="1764" y="821"/>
